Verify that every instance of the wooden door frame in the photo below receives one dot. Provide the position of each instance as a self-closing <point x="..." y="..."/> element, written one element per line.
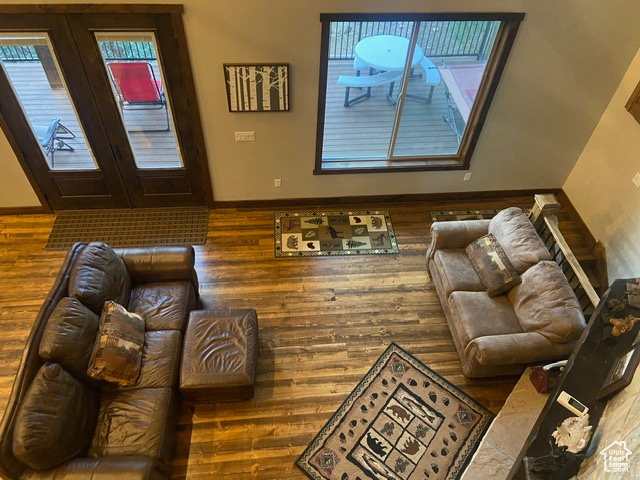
<point x="26" y="146"/>
<point x="171" y="59"/>
<point x="167" y="19"/>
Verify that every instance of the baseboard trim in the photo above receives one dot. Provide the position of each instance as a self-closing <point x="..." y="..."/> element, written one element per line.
<point x="23" y="210"/>
<point x="397" y="198"/>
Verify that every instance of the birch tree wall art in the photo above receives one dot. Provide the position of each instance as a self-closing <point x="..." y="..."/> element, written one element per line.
<point x="257" y="87"/>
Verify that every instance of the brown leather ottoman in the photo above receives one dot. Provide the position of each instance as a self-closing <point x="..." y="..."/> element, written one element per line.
<point x="219" y="355"/>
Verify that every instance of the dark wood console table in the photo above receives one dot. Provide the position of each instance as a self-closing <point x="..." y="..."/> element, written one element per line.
<point x="583" y="377"/>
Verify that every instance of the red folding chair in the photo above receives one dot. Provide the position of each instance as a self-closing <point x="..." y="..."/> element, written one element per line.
<point x="137" y="87"/>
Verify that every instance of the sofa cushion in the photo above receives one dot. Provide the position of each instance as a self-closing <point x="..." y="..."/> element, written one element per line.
<point x="456" y="272"/>
<point x="56" y="419"/>
<point x="117" y="352"/>
<point x="475" y="314"/>
<point x="545" y="303"/>
<point x="69" y="336"/>
<point x="136" y="422"/>
<point x="492" y="265"/>
<point x="98" y="275"/>
<point x="163" y="305"/>
<point x="518" y="238"/>
<point x="160" y="361"/>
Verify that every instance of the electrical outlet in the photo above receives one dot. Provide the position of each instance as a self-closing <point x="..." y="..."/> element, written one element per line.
<point x="467" y="177"/>
<point x="245" y="137"/>
<point x="636" y="179"/>
<point x="277" y="182"/>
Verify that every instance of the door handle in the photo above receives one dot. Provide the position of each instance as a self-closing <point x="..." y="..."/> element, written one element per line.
<point x="116" y="150"/>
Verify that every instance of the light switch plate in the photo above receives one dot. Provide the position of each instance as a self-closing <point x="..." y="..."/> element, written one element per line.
<point x="636" y="179"/>
<point x="245" y="136"/>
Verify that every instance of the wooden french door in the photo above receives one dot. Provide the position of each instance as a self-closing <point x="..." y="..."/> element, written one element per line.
<point x="82" y="138"/>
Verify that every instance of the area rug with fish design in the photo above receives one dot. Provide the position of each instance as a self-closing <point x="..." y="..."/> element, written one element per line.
<point x="356" y="232"/>
<point x="402" y="422"/>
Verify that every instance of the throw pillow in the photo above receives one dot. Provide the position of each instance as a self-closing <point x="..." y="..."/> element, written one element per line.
<point x="69" y="336"/>
<point x="518" y="238"/>
<point x="117" y="353"/>
<point x="56" y="419"/>
<point x="99" y="275"/>
<point x="492" y="265"/>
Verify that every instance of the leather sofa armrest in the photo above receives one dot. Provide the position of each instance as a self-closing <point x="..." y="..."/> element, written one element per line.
<point x="455" y="234"/>
<point x="160" y="264"/>
<point x="515" y="348"/>
<point x="104" y="468"/>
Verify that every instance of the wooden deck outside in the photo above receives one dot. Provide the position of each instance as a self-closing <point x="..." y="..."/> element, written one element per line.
<point x="364" y="128"/>
<point x="42" y="103"/>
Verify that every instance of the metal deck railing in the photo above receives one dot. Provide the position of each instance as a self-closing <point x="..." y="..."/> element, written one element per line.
<point x="123" y="50"/>
<point x="437" y="38"/>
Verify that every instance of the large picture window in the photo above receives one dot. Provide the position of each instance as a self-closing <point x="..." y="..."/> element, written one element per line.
<point x="407" y="91"/>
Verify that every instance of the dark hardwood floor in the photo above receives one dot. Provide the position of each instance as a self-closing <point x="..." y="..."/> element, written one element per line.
<point x="323" y="323"/>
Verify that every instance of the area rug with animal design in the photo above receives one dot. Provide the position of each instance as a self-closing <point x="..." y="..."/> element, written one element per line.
<point x="402" y="422"/>
<point x="358" y="232"/>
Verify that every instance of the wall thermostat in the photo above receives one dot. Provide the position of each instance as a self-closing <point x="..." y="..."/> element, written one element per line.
<point x="571" y="404"/>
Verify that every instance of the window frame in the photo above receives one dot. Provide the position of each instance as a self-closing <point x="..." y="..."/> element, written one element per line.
<point x="461" y="160"/>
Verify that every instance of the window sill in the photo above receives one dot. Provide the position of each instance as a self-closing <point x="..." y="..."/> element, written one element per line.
<point x="333" y="167"/>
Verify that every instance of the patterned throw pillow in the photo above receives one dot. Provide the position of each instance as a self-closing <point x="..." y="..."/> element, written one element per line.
<point x="492" y="265"/>
<point x="117" y="353"/>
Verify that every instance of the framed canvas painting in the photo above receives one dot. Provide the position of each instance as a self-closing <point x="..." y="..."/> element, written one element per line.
<point x="262" y="87"/>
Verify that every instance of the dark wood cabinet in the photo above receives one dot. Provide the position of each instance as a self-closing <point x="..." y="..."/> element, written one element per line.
<point x="583" y="378"/>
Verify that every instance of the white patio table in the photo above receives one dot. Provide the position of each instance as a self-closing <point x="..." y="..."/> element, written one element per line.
<point x="387" y="52"/>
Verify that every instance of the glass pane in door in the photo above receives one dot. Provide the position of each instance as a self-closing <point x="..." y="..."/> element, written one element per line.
<point x="139" y="86"/>
<point x="30" y="63"/>
<point x="360" y="98"/>
<point x="443" y="86"/>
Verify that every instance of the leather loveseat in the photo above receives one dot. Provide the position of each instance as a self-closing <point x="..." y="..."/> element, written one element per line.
<point x="86" y="429"/>
<point x="536" y="320"/>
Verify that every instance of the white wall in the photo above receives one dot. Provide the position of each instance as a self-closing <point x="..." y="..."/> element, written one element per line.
<point x="15" y="189"/>
<point x="600" y="185"/>
<point x="566" y="62"/>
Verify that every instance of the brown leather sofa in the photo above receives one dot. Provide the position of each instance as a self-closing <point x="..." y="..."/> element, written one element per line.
<point x="109" y="431"/>
<point x="536" y="321"/>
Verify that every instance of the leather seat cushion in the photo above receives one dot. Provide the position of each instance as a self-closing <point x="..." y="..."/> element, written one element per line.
<point x="56" y="419"/>
<point x="456" y="272"/>
<point x="136" y="422"/>
<point x="476" y="314"/>
<point x="98" y="275"/>
<point x="545" y="303"/>
<point x="69" y="336"/>
<point x="160" y="360"/>
<point x="163" y="305"/>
